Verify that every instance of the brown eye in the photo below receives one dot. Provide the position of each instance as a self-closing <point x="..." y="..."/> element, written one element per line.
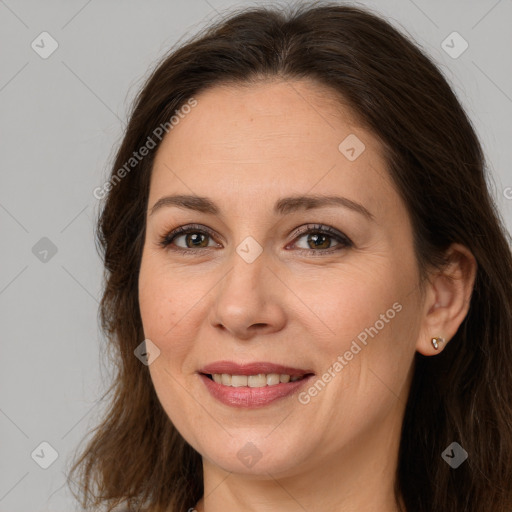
<point x="193" y="237"/>
<point x="319" y="239"/>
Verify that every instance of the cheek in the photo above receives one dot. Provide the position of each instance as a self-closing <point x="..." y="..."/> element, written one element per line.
<point x="163" y="306"/>
<point x="164" y="298"/>
<point x="368" y="352"/>
<point x="348" y="301"/>
<point x="368" y="316"/>
<point x="171" y="309"/>
<point x="156" y="306"/>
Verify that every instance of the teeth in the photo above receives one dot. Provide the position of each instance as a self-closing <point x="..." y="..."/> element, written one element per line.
<point x="237" y="381"/>
<point x="272" y="379"/>
<point x="254" y="381"/>
<point x="257" y="381"/>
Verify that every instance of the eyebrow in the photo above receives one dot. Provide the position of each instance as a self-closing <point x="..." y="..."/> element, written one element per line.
<point x="283" y="206"/>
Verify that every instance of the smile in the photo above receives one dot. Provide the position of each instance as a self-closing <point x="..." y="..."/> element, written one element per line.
<point x="253" y="381"/>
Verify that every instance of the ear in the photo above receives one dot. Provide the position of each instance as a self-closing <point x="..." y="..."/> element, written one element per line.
<point x="447" y="299"/>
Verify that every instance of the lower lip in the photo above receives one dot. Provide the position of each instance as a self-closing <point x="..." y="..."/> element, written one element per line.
<point x="252" y="397"/>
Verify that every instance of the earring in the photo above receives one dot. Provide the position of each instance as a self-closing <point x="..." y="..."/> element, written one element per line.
<point x="436" y="341"/>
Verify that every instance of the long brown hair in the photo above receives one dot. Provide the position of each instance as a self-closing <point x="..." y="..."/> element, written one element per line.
<point x="136" y="457"/>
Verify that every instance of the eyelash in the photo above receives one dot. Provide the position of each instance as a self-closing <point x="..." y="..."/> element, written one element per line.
<point x="167" y="239"/>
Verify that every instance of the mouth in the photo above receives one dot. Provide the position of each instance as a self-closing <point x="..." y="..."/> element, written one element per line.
<point x="259" y="380"/>
<point x="252" y="385"/>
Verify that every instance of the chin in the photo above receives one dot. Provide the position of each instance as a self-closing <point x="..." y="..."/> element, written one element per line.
<point x="255" y="454"/>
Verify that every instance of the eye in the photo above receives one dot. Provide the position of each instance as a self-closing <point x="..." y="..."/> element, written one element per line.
<point x="319" y="239"/>
<point x="193" y="236"/>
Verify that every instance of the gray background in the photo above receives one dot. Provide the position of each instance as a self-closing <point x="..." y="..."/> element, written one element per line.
<point x="60" y="119"/>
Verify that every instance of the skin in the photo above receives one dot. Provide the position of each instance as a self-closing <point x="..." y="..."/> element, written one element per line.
<point x="245" y="148"/>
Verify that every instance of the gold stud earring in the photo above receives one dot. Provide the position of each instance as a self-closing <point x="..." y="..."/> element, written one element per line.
<point x="436" y="341"/>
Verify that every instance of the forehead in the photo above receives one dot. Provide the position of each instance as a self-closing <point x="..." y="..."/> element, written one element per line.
<point x="274" y="138"/>
<point x="229" y="115"/>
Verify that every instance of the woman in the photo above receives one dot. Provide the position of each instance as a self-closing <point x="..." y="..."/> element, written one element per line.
<point x="308" y="285"/>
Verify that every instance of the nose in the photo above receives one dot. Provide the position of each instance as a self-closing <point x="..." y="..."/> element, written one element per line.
<point x="249" y="300"/>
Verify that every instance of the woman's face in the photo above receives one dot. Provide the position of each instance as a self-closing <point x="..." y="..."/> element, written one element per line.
<point x="258" y="281"/>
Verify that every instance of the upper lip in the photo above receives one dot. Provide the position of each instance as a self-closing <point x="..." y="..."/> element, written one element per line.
<point x="254" y="368"/>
